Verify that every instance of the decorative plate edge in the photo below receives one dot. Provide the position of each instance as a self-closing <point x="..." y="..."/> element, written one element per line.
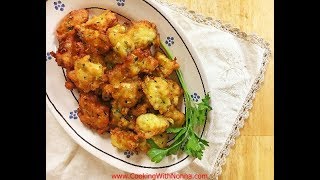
<point x="244" y="112"/>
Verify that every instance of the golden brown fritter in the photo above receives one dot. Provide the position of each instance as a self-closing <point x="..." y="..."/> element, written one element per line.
<point x="97" y="42"/>
<point x="143" y="146"/>
<point x="93" y="113"/>
<point x="121" y="118"/>
<point x="102" y="22"/>
<point x="161" y="139"/>
<point x="148" y="125"/>
<point x="97" y="58"/>
<point x="175" y="92"/>
<point x="124" y="140"/>
<point x="66" y="27"/>
<point x="106" y="91"/>
<point x="176" y="115"/>
<point x="94" y="32"/>
<point x="143" y="34"/>
<point x="141" y="62"/>
<point x="141" y="108"/>
<point x="113" y="58"/>
<point x="70" y="49"/>
<point x="138" y="62"/>
<point x="161" y="93"/>
<point x="124" y="40"/>
<point x="87" y="76"/>
<point x="121" y="43"/>
<point x="166" y="66"/>
<point x="157" y="90"/>
<point x="127" y="94"/>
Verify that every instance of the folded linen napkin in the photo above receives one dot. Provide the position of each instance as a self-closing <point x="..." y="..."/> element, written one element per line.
<point x="234" y="64"/>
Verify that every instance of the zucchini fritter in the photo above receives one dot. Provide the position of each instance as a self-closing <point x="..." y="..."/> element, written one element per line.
<point x="142" y="108"/>
<point x="124" y="140"/>
<point x="166" y="66"/>
<point x="138" y="62"/>
<point x="124" y="40"/>
<point x="127" y="94"/>
<point x="157" y="90"/>
<point x="175" y="92"/>
<point x="87" y="76"/>
<point x="176" y="115"/>
<point x="93" y="113"/>
<point x="70" y="49"/>
<point x="97" y="42"/>
<point x="102" y="22"/>
<point x="149" y="124"/>
<point x="121" y="118"/>
<point x="66" y="26"/>
<point x="161" y="139"/>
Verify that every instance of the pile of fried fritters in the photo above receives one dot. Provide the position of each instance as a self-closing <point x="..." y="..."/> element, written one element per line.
<point x="122" y="76"/>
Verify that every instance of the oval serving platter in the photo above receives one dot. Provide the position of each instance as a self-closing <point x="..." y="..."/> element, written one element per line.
<point x="63" y="103"/>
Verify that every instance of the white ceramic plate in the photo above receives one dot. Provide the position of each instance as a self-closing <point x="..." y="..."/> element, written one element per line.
<point x="63" y="103"/>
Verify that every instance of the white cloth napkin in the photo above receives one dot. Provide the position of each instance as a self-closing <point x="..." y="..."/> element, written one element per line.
<point x="234" y="64"/>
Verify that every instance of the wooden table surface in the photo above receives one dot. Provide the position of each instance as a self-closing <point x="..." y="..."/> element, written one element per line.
<point x="252" y="156"/>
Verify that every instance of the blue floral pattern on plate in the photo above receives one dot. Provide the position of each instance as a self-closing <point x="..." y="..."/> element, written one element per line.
<point x="73" y="114"/>
<point x="195" y="97"/>
<point x="49" y="57"/>
<point x="128" y="153"/>
<point x="121" y="2"/>
<point x="170" y="41"/>
<point x="58" y="5"/>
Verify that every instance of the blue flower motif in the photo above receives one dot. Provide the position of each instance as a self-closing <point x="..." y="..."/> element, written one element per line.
<point x="128" y="153"/>
<point x="120" y="2"/>
<point x="58" y="5"/>
<point x="49" y="57"/>
<point x="73" y="114"/>
<point x="195" y="97"/>
<point x="170" y="41"/>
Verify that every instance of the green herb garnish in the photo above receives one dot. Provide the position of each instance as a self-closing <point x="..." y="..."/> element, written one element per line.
<point x="186" y="138"/>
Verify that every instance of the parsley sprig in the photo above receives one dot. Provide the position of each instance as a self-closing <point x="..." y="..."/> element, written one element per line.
<point x="185" y="138"/>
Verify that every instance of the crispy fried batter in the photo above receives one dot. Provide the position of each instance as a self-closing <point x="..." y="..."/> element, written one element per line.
<point x="161" y="139"/>
<point x="87" y="76"/>
<point x="106" y="91"/>
<point x="127" y="94"/>
<point x="121" y="43"/>
<point x="176" y="115"/>
<point x="166" y="66"/>
<point x="139" y="61"/>
<point x="143" y="33"/>
<point x="102" y="22"/>
<point x="70" y="49"/>
<point x="113" y="58"/>
<point x="120" y="117"/>
<point x="157" y="90"/>
<point x="148" y="125"/>
<point x="143" y="146"/>
<point x="93" y="113"/>
<point x="175" y="92"/>
<point x="66" y="27"/>
<point x="142" y="108"/>
<point x="124" y="140"/>
<point x="124" y="40"/>
<point x="97" y="42"/>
